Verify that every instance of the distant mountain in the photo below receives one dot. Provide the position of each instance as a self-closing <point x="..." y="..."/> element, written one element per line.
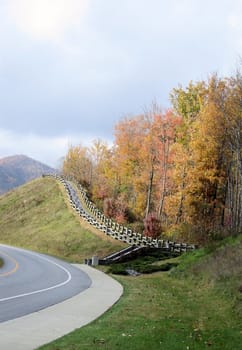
<point x="19" y="169"/>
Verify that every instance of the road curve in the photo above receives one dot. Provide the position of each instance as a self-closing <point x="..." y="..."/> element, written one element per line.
<point x="33" y="330"/>
<point x="30" y="282"/>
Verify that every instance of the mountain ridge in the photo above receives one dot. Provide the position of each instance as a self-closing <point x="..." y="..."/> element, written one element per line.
<point x="16" y="170"/>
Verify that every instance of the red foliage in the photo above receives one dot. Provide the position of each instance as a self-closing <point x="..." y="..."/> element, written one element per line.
<point x="116" y="209"/>
<point x="152" y="226"/>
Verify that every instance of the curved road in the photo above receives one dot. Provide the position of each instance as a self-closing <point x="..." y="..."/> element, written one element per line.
<point x="30" y="282"/>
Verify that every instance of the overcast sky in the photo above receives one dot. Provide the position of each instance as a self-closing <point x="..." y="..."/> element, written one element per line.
<point x="70" y="69"/>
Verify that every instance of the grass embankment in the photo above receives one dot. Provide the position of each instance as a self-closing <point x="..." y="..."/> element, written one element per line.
<point x="35" y="216"/>
<point x="197" y="305"/>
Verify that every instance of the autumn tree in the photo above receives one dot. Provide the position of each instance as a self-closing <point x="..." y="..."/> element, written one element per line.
<point x="102" y="180"/>
<point x="165" y="127"/>
<point x="214" y="151"/>
<point x="143" y="152"/>
<point x="77" y="165"/>
<point x="129" y="160"/>
<point x="187" y="103"/>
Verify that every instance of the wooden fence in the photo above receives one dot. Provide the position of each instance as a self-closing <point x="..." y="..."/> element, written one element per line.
<point x="80" y="202"/>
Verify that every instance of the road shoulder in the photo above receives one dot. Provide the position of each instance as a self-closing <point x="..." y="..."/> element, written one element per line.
<point x="31" y="331"/>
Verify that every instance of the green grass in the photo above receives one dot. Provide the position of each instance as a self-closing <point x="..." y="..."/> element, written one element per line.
<point x="194" y="306"/>
<point x="35" y="216"/>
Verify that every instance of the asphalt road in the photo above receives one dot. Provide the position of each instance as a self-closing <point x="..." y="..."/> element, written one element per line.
<point x="30" y="282"/>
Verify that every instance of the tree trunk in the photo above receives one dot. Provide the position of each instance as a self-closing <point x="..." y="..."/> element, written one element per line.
<point x="180" y="207"/>
<point x="166" y="147"/>
<point x="149" y="192"/>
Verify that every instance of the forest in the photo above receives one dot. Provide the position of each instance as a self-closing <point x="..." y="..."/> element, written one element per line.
<point x="172" y="173"/>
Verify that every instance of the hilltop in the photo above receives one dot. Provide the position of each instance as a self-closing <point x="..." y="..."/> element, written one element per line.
<point x="18" y="169"/>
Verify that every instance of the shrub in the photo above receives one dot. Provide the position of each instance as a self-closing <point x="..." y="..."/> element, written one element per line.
<point x="152" y="226"/>
<point x="140" y="266"/>
<point x="118" y="269"/>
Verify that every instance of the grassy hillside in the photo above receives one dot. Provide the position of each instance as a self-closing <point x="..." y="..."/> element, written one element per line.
<point x="196" y="306"/>
<point x="36" y="216"/>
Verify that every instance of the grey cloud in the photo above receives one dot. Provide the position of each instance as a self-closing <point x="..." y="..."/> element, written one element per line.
<point x="124" y="55"/>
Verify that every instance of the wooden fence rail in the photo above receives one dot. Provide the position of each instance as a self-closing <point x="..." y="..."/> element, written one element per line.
<point x="87" y="210"/>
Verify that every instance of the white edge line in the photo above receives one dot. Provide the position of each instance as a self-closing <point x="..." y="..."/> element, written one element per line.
<point x="40" y="290"/>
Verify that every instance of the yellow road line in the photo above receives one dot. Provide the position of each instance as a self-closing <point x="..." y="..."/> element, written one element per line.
<point x="16" y="265"/>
